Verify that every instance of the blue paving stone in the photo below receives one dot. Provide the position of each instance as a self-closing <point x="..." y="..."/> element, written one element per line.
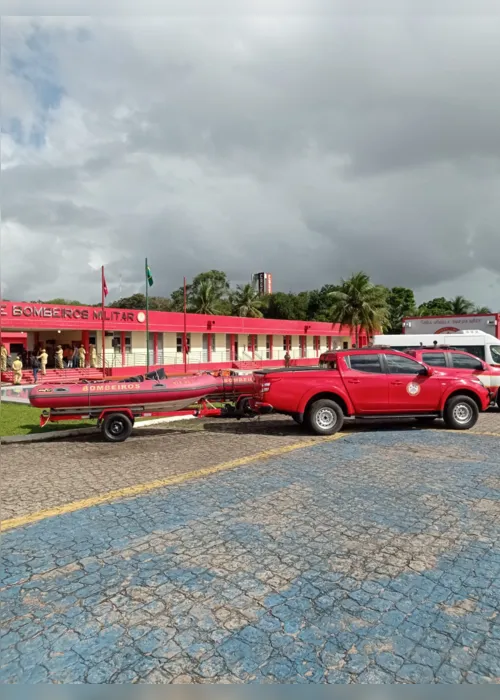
<point x="426" y="657"/>
<point x="415" y="673"/>
<point x="448" y="674"/>
<point x="389" y="661"/>
<point x="375" y="676"/>
<point x="337" y="677"/>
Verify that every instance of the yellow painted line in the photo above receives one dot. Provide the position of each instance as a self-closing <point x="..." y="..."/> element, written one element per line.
<point x="468" y="433"/>
<point x="138" y="489"/>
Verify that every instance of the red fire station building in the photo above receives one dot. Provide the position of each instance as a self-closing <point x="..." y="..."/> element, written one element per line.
<point x="212" y="341"/>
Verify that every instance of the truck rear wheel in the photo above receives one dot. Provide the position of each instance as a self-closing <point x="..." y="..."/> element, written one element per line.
<point x="460" y="413"/>
<point x="116" y="427"/>
<point x="324" y="417"/>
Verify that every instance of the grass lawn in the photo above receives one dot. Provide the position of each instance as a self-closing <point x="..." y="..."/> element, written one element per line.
<point x="20" y="419"/>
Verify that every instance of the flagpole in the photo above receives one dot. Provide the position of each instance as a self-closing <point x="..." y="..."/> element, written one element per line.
<point x="147" y="316"/>
<point x="185" y="327"/>
<point x="103" y="341"/>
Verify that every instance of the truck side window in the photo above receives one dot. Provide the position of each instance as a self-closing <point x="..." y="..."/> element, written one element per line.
<point x="403" y="365"/>
<point x="365" y="363"/>
<point x="436" y="359"/>
<point x="465" y="362"/>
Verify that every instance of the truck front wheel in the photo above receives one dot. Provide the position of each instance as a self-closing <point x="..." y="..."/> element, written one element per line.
<point x="324" y="417"/>
<point x="460" y="413"/>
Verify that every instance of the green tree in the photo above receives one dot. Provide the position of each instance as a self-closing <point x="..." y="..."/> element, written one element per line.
<point x="245" y="301"/>
<point x="138" y="301"/>
<point x="292" y="307"/>
<point x="482" y="310"/>
<point x="59" y="302"/>
<point x="400" y="303"/>
<point x="320" y="303"/>
<point x="435" y="307"/>
<point x="360" y="305"/>
<point x="461" y="306"/>
<point x="219" y="290"/>
<point x="205" y="300"/>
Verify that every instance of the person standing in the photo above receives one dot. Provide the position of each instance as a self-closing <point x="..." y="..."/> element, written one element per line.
<point x="287" y="359"/>
<point x="59" y="357"/>
<point x="35" y="366"/>
<point x="81" y="357"/>
<point x="93" y="356"/>
<point x="74" y="357"/>
<point x="43" y="357"/>
<point x="17" y="367"/>
<point x="3" y="358"/>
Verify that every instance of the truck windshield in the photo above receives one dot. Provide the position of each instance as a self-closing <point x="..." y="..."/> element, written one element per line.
<point x="495" y="353"/>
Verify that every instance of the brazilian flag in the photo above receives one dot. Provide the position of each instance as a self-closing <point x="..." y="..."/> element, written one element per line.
<point x="149" y="275"/>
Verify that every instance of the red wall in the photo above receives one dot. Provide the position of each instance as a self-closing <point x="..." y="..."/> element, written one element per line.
<point x="25" y="316"/>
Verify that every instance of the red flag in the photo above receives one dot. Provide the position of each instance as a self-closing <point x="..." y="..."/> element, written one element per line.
<point x="104" y="286"/>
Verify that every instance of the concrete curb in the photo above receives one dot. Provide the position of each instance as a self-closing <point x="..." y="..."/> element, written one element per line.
<point x="74" y="432"/>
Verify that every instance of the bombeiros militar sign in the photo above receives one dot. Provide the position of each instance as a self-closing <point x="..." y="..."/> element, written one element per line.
<point x="75" y="313"/>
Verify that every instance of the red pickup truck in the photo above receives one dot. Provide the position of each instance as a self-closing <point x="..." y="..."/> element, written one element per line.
<point x="370" y="384"/>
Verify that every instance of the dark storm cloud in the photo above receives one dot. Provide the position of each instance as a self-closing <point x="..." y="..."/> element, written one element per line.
<point x="307" y="146"/>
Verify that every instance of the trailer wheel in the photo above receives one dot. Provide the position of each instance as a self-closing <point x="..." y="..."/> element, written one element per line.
<point x="461" y="413"/>
<point x="116" y="427"/>
<point x="324" y="417"/>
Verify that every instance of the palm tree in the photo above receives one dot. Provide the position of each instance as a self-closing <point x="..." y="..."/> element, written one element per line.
<point x="206" y="300"/>
<point x="461" y="306"/>
<point x="482" y="310"/>
<point x="246" y="302"/>
<point x="360" y="305"/>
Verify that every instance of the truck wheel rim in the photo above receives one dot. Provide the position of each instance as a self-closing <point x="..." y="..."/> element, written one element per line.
<point x="116" y="427"/>
<point x="462" y="413"/>
<point x="325" y="418"/>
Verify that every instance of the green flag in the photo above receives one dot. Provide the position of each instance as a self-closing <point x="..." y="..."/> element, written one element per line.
<point x="149" y="276"/>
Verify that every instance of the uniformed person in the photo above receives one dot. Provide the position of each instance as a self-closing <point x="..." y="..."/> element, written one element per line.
<point x="3" y="358"/>
<point x="93" y="356"/>
<point x="81" y="357"/>
<point x="17" y="367"/>
<point x="59" y="357"/>
<point x="43" y="357"/>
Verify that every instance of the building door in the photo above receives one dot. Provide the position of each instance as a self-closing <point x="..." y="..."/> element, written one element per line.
<point x="204" y="350"/>
<point x="160" y="348"/>
<point x="151" y="348"/>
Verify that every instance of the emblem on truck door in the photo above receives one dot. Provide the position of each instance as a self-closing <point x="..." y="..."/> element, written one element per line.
<point x="413" y="388"/>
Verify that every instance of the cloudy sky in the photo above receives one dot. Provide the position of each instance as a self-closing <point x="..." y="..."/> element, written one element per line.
<point x="309" y="145"/>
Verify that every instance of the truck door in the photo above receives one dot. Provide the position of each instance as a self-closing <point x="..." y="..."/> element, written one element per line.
<point x="366" y="382"/>
<point x="409" y="390"/>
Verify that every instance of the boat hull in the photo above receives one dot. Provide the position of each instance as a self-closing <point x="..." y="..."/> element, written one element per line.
<point x="174" y="394"/>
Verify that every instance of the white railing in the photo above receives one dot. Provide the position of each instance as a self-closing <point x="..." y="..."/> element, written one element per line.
<point x="196" y="357"/>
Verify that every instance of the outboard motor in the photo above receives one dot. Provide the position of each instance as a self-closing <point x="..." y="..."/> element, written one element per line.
<point x="156" y="374"/>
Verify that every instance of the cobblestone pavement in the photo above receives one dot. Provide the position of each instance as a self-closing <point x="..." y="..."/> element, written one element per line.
<point x="372" y="559"/>
<point x="43" y="475"/>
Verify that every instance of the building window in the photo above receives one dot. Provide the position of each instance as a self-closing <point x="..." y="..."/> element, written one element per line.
<point x="213" y="343"/>
<point x="128" y="343"/>
<point x="345" y="345"/>
<point x="253" y="342"/>
<point x="329" y="343"/>
<point x="287" y="342"/>
<point x="92" y="340"/>
<point x="117" y="341"/>
<point x="180" y="339"/>
<point x="316" y="343"/>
